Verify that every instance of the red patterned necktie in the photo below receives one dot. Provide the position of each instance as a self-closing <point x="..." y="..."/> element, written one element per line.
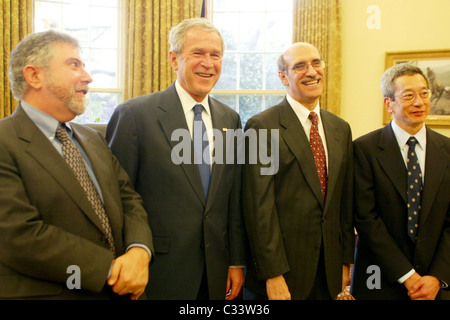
<point x="319" y="153"/>
<point x="75" y="161"/>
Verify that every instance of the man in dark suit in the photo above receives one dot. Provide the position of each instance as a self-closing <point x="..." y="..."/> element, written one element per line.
<point x="299" y="225"/>
<point x="61" y="237"/>
<point x="397" y="257"/>
<point x="197" y="225"/>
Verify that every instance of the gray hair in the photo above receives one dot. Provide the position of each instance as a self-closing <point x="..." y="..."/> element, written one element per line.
<point x="35" y="49"/>
<point x="281" y="62"/>
<point x="398" y="70"/>
<point x="177" y="35"/>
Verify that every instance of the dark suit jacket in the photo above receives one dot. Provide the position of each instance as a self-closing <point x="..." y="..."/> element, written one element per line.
<point x="46" y="222"/>
<point x="286" y="217"/>
<point x="188" y="232"/>
<point x="381" y="214"/>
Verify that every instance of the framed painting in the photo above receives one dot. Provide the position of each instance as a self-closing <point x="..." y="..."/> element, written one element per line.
<point x="436" y="65"/>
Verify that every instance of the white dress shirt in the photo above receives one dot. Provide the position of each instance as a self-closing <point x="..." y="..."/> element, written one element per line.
<point x="303" y="113"/>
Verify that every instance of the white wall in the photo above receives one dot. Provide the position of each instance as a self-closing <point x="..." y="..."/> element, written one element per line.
<point x="406" y="25"/>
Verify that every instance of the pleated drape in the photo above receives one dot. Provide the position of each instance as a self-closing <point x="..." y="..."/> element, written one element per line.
<point x="148" y="23"/>
<point x="15" y="24"/>
<point x="319" y="23"/>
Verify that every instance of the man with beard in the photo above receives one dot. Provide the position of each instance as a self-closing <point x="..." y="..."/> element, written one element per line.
<point x="71" y="224"/>
<point x="299" y="219"/>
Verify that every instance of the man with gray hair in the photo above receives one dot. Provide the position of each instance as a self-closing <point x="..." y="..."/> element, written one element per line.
<point x="71" y="224"/>
<point x="401" y="197"/>
<point x="193" y="207"/>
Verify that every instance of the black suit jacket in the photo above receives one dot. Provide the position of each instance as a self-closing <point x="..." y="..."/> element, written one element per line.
<point x="190" y="234"/>
<point x="46" y="221"/>
<point x="286" y="217"/>
<point x="381" y="214"/>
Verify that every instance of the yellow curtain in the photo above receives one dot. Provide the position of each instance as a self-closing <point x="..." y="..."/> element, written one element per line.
<point x="319" y="23"/>
<point x="148" y="23"/>
<point x="15" y="24"/>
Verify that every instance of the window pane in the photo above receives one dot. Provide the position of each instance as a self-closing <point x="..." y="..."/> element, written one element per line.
<point x="228" y="78"/>
<point x="251" y="33"/>
<point x="249" y="105"/>
<point x="99" y="107"/>
<point x="273" y="82"/>
<point x="252" y="71"/>
<point x="228" y="25"/>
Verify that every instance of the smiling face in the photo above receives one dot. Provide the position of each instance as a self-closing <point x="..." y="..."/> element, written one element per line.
<point x="306" y="87"/>
<point x="199" y="64"/>
<point x="410" y="116"/>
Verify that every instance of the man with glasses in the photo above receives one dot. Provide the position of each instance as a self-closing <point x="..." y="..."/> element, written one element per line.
<point x="402" y="188"/>
<point x="299" y="220"/>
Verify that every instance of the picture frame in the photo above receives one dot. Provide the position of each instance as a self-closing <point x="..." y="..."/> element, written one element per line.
<point x="436" y="65"/>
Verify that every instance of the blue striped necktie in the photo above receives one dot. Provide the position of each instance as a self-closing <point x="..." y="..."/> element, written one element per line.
<point x="201" y="148"/>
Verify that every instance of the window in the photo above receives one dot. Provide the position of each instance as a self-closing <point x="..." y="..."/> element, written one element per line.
<point x="256" y="32"/>
<point x="97" y="26"/>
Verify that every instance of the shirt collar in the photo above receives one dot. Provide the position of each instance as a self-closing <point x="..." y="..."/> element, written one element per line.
<point x="45" y="122"/>
<point x="187" y="101"/>
<point x="402" y="136"/>
<point x="301" y="111"/>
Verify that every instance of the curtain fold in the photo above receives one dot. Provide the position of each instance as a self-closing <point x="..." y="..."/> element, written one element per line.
<point x="319" y="23"/>
<point x="15" y="24"/>
<point x="148" y="23"/>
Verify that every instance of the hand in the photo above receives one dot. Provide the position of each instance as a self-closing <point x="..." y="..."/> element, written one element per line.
<point x="426" y="288"/>
<point x="277" y="289"/>
<point x="129" y="273"/>
<point x="235" y="281"/>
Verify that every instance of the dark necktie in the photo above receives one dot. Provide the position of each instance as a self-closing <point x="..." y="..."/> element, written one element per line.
<point x="201" y="148"/>
<point x="414" y="189"/>
<point x="75" y="161"/>
<point x="319" y="153"/>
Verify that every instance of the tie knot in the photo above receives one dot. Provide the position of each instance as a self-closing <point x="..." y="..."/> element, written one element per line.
<point x="61" y="132"/>
<point x="198" y="108"/>
<point x="313" y="117"/>
<point x="412" y="141"/>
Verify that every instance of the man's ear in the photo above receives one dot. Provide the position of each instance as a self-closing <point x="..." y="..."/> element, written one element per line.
<point x="283" y="78"/>
<point x="33" y="76"/>
<point x="173" y="58"/>
<point x="388" y="104"/>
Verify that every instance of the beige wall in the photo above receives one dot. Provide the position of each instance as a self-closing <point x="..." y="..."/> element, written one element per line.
<point x="405" y="25"/>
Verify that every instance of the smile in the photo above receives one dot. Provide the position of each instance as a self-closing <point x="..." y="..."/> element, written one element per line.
<point x="204" y="75"/>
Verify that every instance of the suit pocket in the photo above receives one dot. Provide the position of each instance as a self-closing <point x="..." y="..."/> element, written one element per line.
<point x="16" y="286"/>
<point x="161" y="244"/>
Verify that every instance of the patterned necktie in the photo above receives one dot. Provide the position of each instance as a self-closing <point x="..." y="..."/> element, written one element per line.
<point x="201" y="148"/>
<point x="75" y="161"/>
<point x="319" y="153"/>
<point x="414" y="191"/>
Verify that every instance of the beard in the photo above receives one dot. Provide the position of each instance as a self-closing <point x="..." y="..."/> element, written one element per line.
<point x="69" y="97"/>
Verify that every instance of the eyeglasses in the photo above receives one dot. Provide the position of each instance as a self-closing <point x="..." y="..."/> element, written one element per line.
<point x="410" y="96"/>
<point x="303" y="67"/>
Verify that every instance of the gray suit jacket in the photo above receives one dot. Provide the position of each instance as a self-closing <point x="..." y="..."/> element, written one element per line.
<point x="286" y="217"/>
<point x="189" y="234"/>
<point x="381" y="214"/>
<point x="46" y="222"/>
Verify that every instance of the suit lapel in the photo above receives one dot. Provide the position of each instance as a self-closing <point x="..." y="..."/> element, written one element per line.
<point x="41" y="149"/>
<point x="172" y="120"/>
<point x="391" y="160"/>
<point x="435" y="165"/>
<point x="334" y="143"/>
<point x="298" y="143"/>
<point x="217" y="115"/>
